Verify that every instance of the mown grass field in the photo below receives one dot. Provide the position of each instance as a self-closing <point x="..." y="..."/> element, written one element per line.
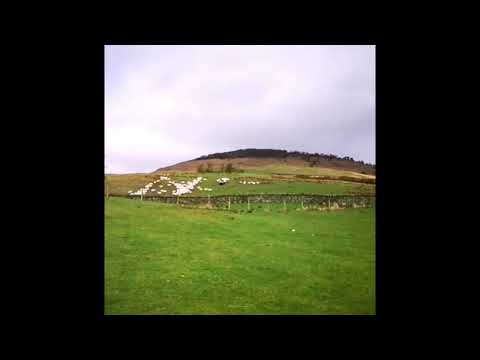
<point x="164" y="259"/>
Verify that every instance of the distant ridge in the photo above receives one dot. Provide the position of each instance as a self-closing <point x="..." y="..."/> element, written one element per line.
<point x="276" y="154"/>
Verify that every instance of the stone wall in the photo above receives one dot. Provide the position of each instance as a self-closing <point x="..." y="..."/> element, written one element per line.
<point x="333" y="201"/>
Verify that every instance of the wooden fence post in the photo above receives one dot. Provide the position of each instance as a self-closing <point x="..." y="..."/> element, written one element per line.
<point x="248" y="200"/>
<point x="284" y="205"/>
<point x="208" y="199"/>
<point x="229" y="203"/>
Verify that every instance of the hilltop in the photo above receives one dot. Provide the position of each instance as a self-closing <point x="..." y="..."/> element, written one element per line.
<point x="275" y="161"/>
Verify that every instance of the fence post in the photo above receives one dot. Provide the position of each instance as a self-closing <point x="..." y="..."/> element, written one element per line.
<point x="177" y="199"/>
<point x="141" y="195"/>
<point x="106" y="185"/>
<point x="329" y="202"/>
<point x="208" y="199"/>
<point x="248" y="200"/>
<point x="284" y="205"/>
<point x="229" y="203"/>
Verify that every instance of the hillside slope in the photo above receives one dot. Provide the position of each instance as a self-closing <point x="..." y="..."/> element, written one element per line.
<point x="278" y="161"/>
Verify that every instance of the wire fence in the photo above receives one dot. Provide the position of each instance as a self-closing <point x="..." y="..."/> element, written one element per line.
<point x="272" y="202"/>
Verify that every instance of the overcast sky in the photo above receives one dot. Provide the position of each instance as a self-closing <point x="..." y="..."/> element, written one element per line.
<point x="167" y="104"/>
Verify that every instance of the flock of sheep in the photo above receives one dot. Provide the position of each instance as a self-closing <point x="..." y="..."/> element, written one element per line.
<point x="148" y="187"/>
<point x="204" y="189"/>
<point x="185" y="187"/>
<point x="182" y="187"/>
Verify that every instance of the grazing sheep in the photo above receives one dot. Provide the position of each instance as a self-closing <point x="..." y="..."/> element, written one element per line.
<point x="223" y="181"/>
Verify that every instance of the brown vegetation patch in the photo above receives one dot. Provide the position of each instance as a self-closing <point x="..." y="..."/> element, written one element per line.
<point x="246" y="164"/>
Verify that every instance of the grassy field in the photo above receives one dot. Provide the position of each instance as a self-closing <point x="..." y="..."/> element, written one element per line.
<point x="121" y="184"/>
<point x="302" y="170"/>
<point x="164" y="259"/>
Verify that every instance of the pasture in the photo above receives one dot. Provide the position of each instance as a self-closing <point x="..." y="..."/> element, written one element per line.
<point x="165" y="259"/>
<point x="121" y="184"/>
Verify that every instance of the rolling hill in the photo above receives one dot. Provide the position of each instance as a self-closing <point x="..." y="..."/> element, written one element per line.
<point x="271" y="161"/>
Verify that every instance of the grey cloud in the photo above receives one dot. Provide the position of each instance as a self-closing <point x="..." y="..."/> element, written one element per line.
<point x="166" y="104"/>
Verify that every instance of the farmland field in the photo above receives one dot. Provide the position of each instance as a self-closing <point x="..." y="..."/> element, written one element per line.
<point x="164" y="259"/>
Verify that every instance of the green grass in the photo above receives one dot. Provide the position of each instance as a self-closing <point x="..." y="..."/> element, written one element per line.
<point x="269" y="186"/>
<point x="164" y="259"/>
